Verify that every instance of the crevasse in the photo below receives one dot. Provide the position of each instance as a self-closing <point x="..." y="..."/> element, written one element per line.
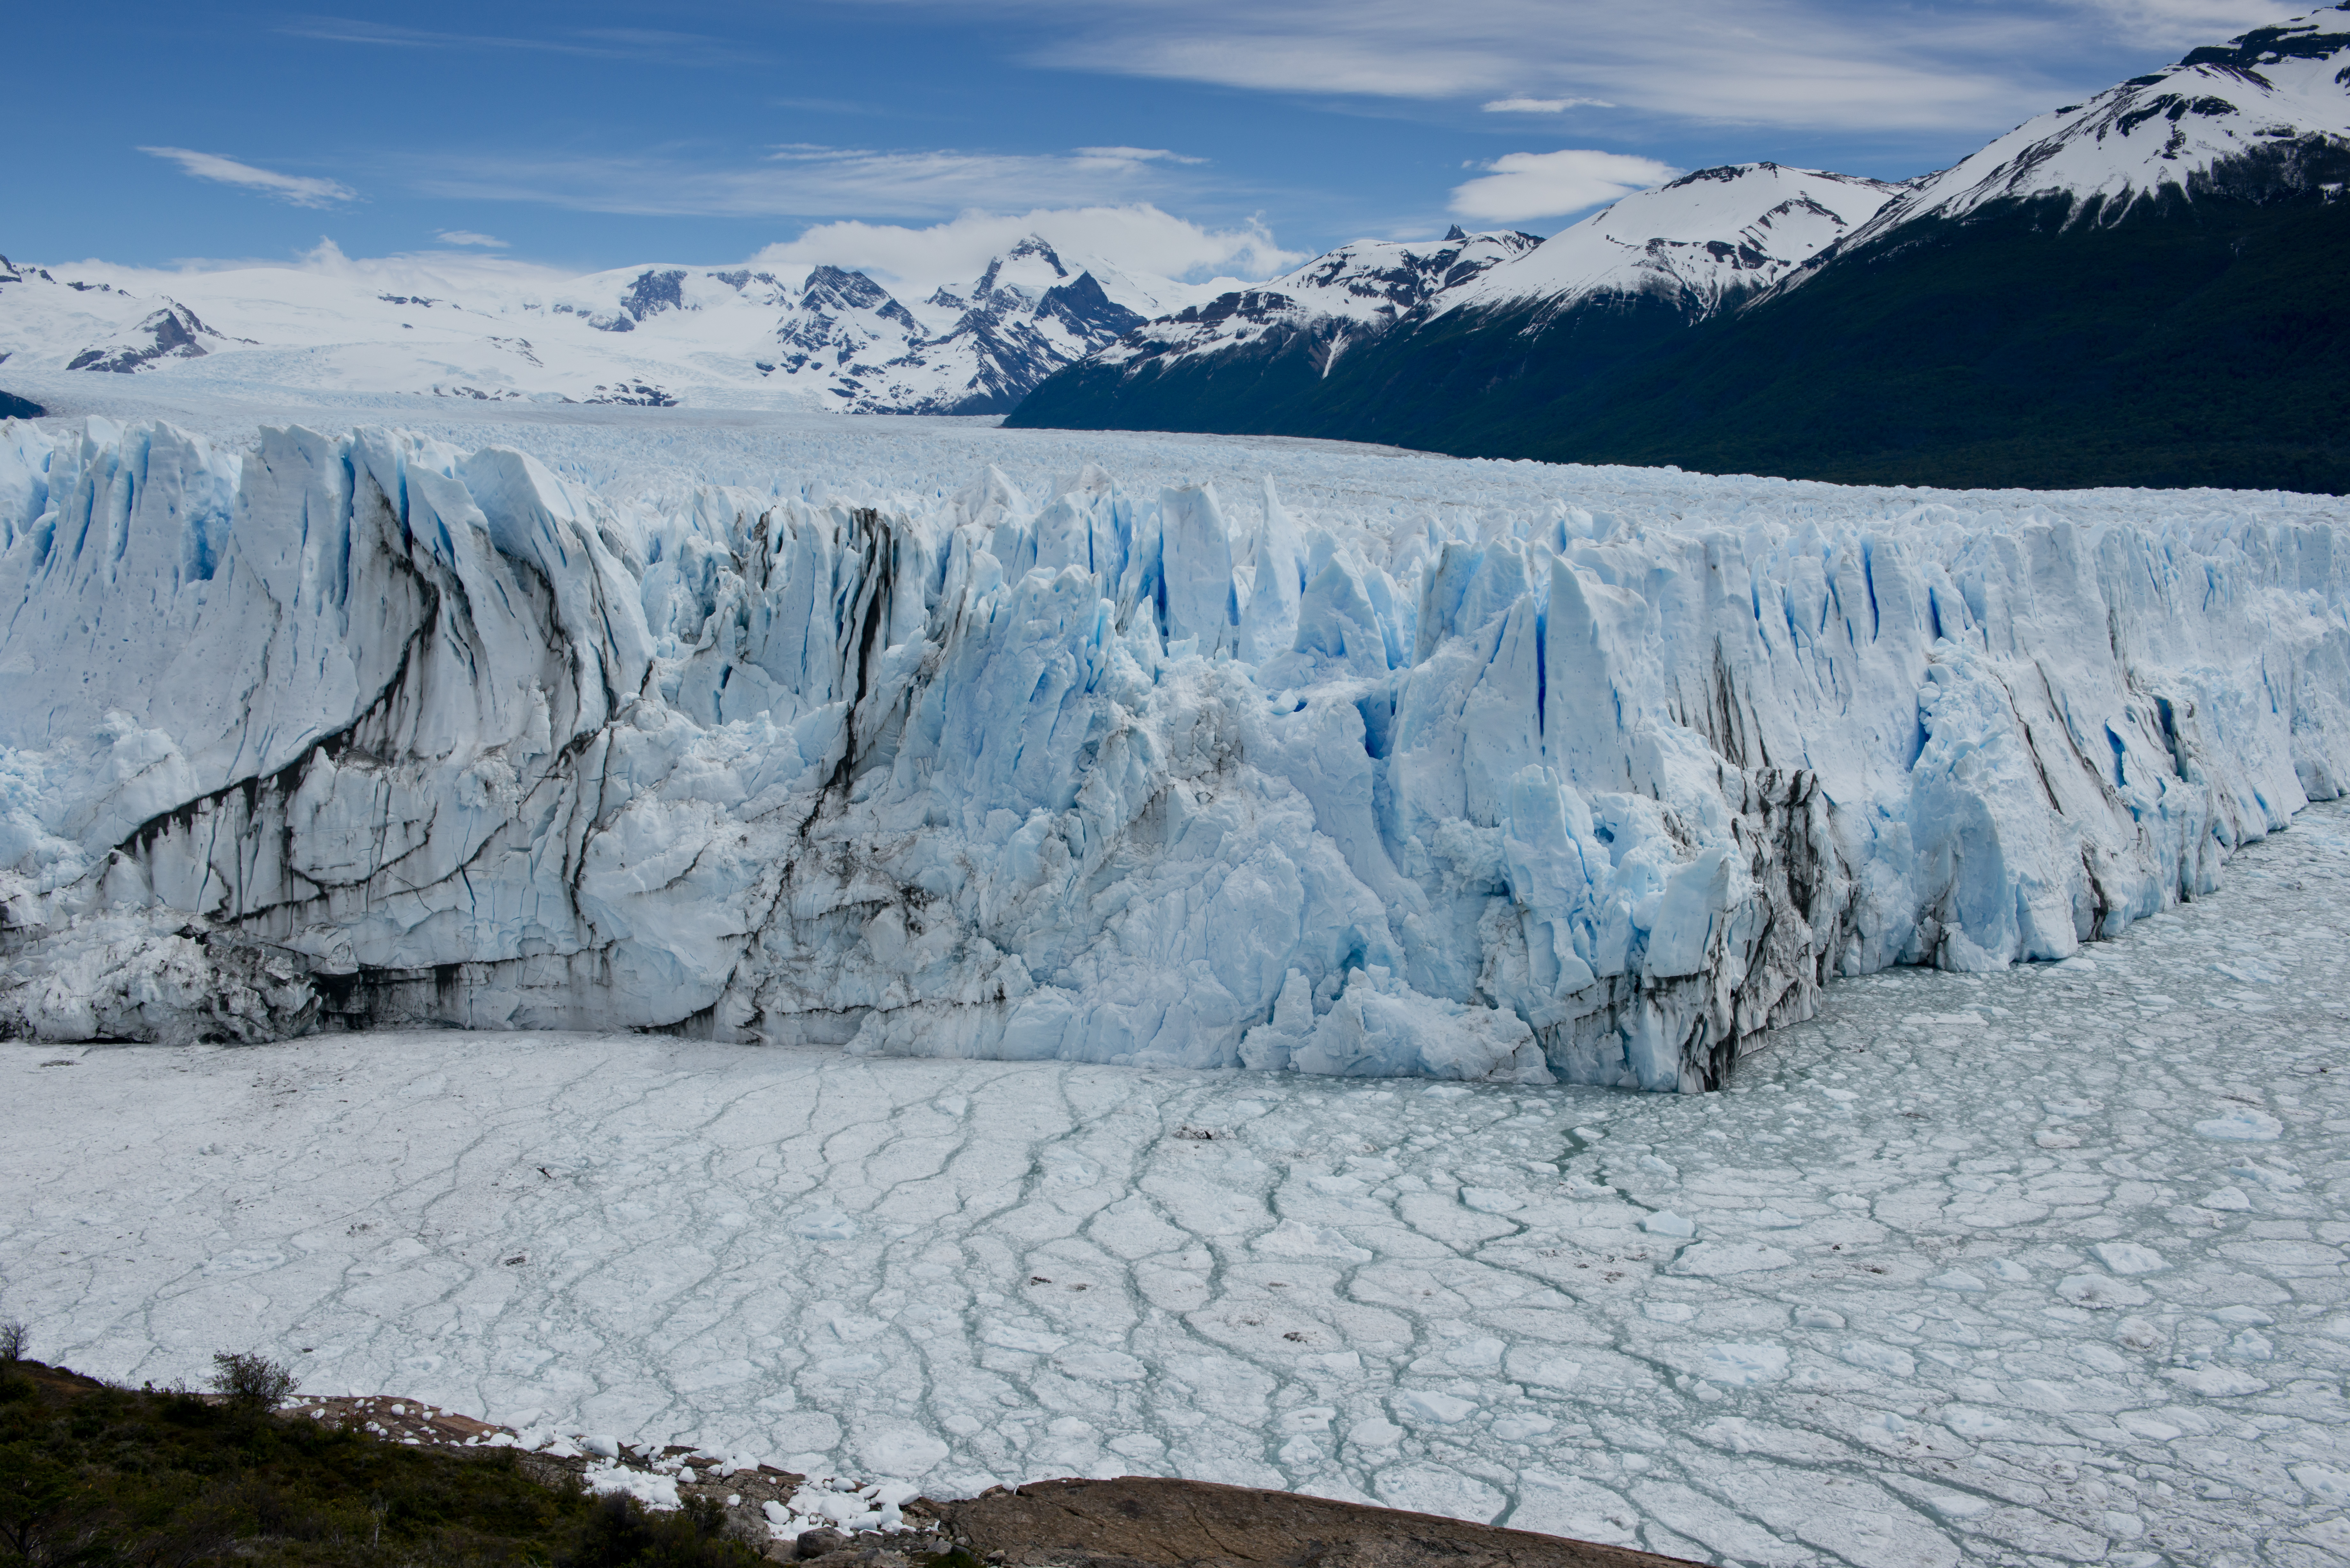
<point x="364" y="729"/>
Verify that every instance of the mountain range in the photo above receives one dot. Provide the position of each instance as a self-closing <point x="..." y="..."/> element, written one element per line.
<point x="2146" y="287"/>
<point x="655" y="335"/>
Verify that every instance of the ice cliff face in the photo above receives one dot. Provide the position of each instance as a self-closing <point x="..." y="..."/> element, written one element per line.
<point x="363" y="729"/>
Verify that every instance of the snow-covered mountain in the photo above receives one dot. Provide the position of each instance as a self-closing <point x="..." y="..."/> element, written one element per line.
<point x="1703" y="244"/>
<point x="2262" y="116"/>
<point x="1346" y="296"/>
<point x="2098" y="297"/>
<point x="663" y="334"/>
<point x="1669" y="257"/>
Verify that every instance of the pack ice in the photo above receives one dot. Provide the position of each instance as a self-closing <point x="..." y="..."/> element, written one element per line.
<point x="364" y="729"/>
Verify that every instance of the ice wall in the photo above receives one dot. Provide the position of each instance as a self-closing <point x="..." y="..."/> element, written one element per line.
<point x="363" y="729"/>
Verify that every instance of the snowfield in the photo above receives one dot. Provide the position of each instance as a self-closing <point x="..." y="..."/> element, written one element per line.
<point x="482" y="328"/>
<point x="937" y="740"/>
<point x="2044" y="1265"/>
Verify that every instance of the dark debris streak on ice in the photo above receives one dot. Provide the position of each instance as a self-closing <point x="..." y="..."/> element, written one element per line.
<point x="817" y="734"/>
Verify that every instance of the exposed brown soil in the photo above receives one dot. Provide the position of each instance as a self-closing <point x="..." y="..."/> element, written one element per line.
<point x="1134" y="1522"/>
<point x="1145" y="1522"/>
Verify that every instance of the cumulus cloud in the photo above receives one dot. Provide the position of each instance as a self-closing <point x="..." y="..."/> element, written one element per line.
<point x="1524" y="186"/>
<point x="1543" y="105"/>
<point x="1138" y="238"/>
<point x="468" y="237"/>
<point x="301" y="190"/>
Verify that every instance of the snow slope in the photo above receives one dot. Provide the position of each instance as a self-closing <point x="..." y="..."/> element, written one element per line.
<point x="662" y="335"/>
<point x="1702" y="242"/>
<point x="1449" y="774"/>
<point x="1347" y="295"/>
<point x="1628" y="279"/>
<point x="2267" y="113"/>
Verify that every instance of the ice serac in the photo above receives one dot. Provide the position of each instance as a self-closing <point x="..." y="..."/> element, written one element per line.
<point x="360" y="728"/>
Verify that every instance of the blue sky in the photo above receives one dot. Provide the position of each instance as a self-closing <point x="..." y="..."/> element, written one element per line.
<point x="588" y="135"/>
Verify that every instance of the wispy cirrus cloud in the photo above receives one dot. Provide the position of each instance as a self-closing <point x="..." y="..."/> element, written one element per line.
<point x="812" y="181"/>
<point x="301" y="190"/>
<point x="1796" y="63"/>
<point x="1543" y="105"/>
<point x="1822" y="65"/>
<point x="640" y="46"/>
<point x="468" y="237"/>
<point x="1135" y="155"/>
<point x="2186" y="22"/>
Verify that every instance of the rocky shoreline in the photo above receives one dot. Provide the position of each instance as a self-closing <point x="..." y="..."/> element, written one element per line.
<point x="1128" y="1522"/>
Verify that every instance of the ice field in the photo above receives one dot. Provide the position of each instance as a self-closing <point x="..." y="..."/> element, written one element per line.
<point x="930" y="739"/>
<point x="2037" y="1266"/>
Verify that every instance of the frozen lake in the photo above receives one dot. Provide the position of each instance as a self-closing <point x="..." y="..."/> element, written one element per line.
<point x="2038" y="1266"/>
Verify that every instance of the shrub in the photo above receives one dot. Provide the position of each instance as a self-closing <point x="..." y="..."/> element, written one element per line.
<point x="13" y="1335"/>
<point x="618" y="1533"/>
<point x="251" y="1379"/>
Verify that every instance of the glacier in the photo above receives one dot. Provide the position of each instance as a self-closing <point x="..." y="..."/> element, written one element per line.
<point x="1999" y="1270"/>
<point x="1476" y="771"/>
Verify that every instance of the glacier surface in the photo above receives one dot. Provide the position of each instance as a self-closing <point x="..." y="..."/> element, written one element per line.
<point x="1202" y="755"/>
<point x="2045" y="1265"/>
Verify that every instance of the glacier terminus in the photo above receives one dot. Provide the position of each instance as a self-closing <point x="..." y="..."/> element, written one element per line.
<point x="1281" y="757"/>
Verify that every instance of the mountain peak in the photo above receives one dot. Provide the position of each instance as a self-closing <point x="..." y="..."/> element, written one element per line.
<point x="2266" y="114"/>
<point x="1036" y="246"/>
<point x="2313" y="37"/>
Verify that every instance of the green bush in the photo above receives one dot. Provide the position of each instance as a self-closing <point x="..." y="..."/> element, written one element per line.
<point x="252" y="1380"/>
<point x="620" y="1533"/>
<point x="95" y="1477"/>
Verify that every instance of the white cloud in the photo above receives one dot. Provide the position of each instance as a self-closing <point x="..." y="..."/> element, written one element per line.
<point x="1524" y="186"/>
<point x="1261" y="53"/>
<point x="2187" y="23"/>
<point x="1138" y="238"/>
<point x="468" y="237"/>
<point x="1135" y="155"/>
<point x="1543" y="105"/>
<point x="1821" y="65"/>
<point x="637" y="45"/>
<point x="805" y="181"/>
<point x="301" y="190"/>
